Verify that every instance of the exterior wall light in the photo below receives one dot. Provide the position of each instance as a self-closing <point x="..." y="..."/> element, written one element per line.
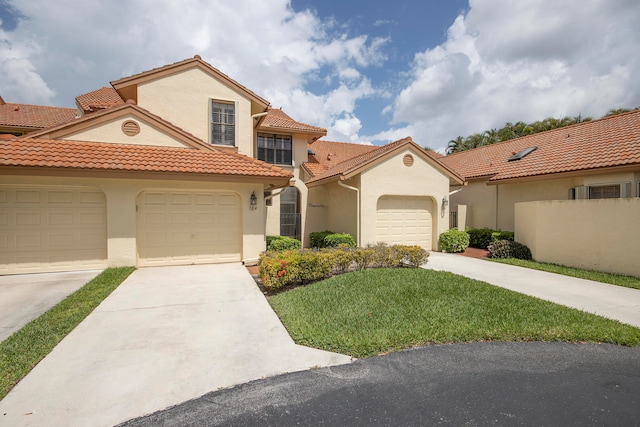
<point x="253" y="201"/>
<point x="445" y="202"/>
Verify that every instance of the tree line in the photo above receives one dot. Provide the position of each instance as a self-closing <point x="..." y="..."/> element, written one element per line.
<point x="517" y="130"/>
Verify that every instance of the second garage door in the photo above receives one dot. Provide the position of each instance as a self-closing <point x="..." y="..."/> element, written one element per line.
<point x="404" y="220"/>
<point x="188" y="227"/>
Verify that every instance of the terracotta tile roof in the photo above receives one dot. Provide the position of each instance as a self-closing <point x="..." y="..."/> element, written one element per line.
<point x="608" y="142"/>
<point x="182" y="65"/>
<point x="354" y="164"/>
<point x="277" y="119"/>
<point x="327" y="154"/>
<point x="34" y="116"/>
<point x="99" y="99"/>
<point x="121" y="157"/>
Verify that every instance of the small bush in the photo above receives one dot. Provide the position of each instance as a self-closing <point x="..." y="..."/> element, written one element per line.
<point x="502" y="235"/>
<point x="282" y="243"/>
<point x="337" y="239"/>
<point x="413" y="256"/>
<point x="479" y="237"/>
<point x="509" y="249"/>
<point x="454" y="240"/>
<point x="316" y="239"/>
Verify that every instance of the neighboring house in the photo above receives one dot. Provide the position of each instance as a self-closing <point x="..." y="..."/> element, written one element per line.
<point x="19" y="119"/>
<point x="183" y="165"/>
<point x="591" y="160"/>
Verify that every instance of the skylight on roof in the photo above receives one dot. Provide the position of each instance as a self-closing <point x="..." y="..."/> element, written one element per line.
<point x="522" y="153"/>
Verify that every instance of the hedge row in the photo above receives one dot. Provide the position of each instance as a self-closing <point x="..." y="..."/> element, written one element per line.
<point x="296" y="267"/>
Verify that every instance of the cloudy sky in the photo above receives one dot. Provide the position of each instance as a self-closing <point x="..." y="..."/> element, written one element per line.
<point x="369" y="71"/>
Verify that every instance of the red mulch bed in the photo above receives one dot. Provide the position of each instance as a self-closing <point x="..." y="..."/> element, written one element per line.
<point x="475" y="253"/>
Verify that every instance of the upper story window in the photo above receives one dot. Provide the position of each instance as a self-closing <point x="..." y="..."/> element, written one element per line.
<point x="223" y="123"/>
<point x="276" y="149"/>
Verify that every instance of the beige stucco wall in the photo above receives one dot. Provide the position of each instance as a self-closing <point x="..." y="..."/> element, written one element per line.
<point x="601" y="235"/>
<point x="112" y="132"/>
<point x="184" y="100"/>
<point x="480" y="200"/>
<point x="342" y="207"/>
<point x="392" y="177"/>
<point x="492" y="205"/>
<point x="121" y="197"/>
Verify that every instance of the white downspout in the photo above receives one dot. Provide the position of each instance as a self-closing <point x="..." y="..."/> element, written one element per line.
<point x="357" y="209"/>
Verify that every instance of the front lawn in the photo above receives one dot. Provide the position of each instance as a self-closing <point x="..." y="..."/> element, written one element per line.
<point x="22" y="351"/>
<point x="597" y="276"/>
<point x="369" y="312"/>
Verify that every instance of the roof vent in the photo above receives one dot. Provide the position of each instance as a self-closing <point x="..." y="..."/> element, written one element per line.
<point x="522" y="153"/>
<point x="407" y="160"/>
<point x="130" y="128"/>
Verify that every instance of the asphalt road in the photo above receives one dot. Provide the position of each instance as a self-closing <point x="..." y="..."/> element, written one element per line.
<point x="460" y="384"/>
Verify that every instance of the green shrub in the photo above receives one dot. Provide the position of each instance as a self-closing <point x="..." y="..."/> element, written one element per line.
<point x="337" y="239"/>
<point x="454" y="240"/>
<point x="501" y="235"/>
<point x="282" y="243"/>
<point x="479" y="237"/>
<point x="413" y="256"/>
<point x="509" y="249"/>
<point x="316" y="239"/>
<point x="294" y="267"/>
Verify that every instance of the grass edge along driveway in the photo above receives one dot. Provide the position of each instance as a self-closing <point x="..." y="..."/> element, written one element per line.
<point x="370" y="312"/>
<point x="23" y="350"/>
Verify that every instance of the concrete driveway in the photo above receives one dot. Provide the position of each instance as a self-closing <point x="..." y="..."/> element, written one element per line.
<point x="24" y="297"/>
<point x="166" y="335"/>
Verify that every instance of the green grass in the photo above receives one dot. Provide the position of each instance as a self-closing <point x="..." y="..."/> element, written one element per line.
<point x="22" y="351"/>
<point x="370" y="312"/>
<point x="597" y="276"/>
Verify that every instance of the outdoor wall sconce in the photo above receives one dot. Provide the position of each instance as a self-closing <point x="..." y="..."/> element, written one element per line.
<point x="253" y="201"/>
<point x="445" y="202"/>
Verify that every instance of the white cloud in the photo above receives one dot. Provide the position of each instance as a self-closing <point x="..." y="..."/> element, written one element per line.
<point x="68" y="47"/>
<point x="525" y="60"/>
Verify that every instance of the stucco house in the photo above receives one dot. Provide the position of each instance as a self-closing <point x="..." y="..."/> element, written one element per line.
<point x="183" y="165"/>
<point x="571" y="194"/>
<point x="592" y="160"/>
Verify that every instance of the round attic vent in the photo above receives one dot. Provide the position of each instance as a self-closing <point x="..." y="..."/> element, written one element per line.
<point x="130" y="128"/>
<point x="407" y="160"/>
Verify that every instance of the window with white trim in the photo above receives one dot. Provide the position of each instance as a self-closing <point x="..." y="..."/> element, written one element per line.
<point x="223" y="123"/>
<point x="601" y="191"/>
<point x="275" y="149"/>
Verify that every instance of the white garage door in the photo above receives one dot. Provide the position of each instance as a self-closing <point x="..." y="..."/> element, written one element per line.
<point x="45" y="229"/>
<point x="188" y="227"/>
<point x="404" y="220"/>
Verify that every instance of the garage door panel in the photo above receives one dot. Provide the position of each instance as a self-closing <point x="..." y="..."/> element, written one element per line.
<point x="198" y="227"/>
<point x="52" y="229"/>
<point x="404" y="220"/>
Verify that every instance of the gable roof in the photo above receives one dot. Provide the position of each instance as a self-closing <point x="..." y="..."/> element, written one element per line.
<point x="357" y="164"/>
<point x="195" y="62"/>
<point x="34" y="116"/>
<point x="117" y="112"/>
<point x="99" y="99"/>
<point x="278" y="120"/>
<point x="94" y="156"/>
<point x="613" y="141"/>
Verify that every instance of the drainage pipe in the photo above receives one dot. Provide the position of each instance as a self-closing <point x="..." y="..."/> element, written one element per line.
<point x="341" y="184"/>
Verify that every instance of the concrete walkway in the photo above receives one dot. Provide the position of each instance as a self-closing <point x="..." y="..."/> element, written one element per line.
<point x="166" y="335"/>
<point x="26" y="296"/>
<point x="614" y="302"/>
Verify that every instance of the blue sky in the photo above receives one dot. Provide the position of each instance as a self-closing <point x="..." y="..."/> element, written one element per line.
<point x="368" y="71"/>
